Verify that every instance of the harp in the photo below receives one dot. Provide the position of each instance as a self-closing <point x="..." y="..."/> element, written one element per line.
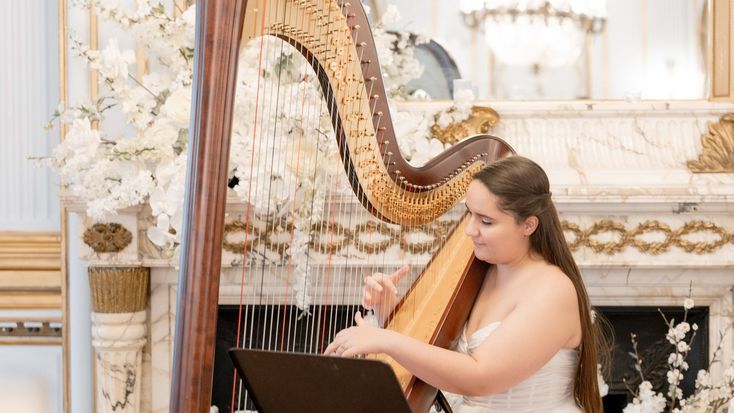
<point x="335" y="39"/>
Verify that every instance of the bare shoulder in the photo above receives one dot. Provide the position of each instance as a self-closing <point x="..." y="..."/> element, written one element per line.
<point x="552" y="285"/>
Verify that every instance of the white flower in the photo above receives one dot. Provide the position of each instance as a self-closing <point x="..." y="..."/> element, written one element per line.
<point x="144" y="8"/>
<point x="647" y="401"/>
<point x="675" y="359"/>
<point x="113" y="63"/>
<point x="392" y="15"/>
<point x="674" y="376"/>
<point x="144" y="160"/>
<point x="178" y="107"/>
<point x="160" y="234"/>
<point x="703" y="378"/>
<point x="688" y="303"/>
<point x="78" y="150"/>
<point x="683" y="347"/>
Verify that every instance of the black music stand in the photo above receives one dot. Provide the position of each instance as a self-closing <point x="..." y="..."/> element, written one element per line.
<point x="281" y="382"/>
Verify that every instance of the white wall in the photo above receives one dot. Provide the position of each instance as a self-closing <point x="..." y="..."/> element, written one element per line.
<point x="29" y="379"/>
<point x="29" y="93"/>
<point x="30" y="375"/>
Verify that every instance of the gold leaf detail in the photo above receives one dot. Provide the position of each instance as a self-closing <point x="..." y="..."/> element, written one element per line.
<point x="107" y="237"/>
<point x="718" y="148"/>
<point x="480" y="121"/>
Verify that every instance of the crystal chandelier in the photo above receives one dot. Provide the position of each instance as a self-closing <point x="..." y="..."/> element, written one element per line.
<point x="548" y="33"/>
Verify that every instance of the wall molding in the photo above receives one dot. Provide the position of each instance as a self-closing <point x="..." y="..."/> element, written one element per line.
<point x="30" y="270"/>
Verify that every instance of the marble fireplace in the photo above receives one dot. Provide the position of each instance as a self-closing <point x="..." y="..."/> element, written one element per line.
<point x="649" y="217"/>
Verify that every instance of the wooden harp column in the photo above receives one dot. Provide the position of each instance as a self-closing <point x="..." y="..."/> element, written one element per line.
<point x="394" y="191"/>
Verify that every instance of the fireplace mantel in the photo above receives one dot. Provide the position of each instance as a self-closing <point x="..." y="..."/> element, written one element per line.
<point x="646" y="227"/>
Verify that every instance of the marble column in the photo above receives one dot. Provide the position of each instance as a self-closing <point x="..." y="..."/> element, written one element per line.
<point x="119" y="301"/>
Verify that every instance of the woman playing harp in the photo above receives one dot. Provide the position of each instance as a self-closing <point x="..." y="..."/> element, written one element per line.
<point x="334" y="39"/>
<point x="529" y="344"/>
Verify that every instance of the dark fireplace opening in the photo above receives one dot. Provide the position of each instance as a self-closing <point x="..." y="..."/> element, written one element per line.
<point x="312" y="333"/>
<point x="295" y="333"/>
<point x="648" y="325"/>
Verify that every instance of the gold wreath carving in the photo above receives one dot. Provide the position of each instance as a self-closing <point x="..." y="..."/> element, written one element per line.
<point x="252" y="235"/>
<point x="481" y="120"/>
<point x="107" y="237"/>
<point x="373" y="237"/>
<point x="718" y="148"/>
<point x="629" y="238"/>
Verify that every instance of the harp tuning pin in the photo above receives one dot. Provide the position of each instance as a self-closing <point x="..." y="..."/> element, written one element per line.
<point x="363" y="44"/>
<point x="351" y="15"/>
<point x="366" y="61"/>
<point x="378" y="113"/>
<point x="375" y="96"/>
<point x="381" y="129"/>
<point x="372" y="78"/>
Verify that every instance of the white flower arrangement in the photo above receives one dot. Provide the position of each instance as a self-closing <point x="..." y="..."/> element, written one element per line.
<point x="708" y="397"/>
<point x="110" y="166"/>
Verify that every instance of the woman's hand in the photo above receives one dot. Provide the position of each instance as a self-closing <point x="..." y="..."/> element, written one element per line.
<point x="360" y="339"/>
<point x="380" y="291"/>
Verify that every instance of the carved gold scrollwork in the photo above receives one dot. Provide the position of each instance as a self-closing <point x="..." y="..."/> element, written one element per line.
<point x="625" y="238"/>
<point x="652" y="248"/>
<point x="374" y="229"/>
<point x="718" y="148"/>
<point x="107" y="237"/>
<point x="606" y="226"/>
<point x="252" y="235"/>
<point x="372" y="237"/>
<point x="701" y="247"/>
<point x="480" y="121"/>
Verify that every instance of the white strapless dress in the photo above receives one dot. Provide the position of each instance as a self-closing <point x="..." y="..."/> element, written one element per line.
<point x="549" y="390"/>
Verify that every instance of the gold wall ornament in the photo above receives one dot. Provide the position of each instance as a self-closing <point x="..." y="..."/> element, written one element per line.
<point x="107" y="237"/>
<point x="630" y="237"/>
<point x="383" y="236"/>
<point x="374" y="237"/>
<point x="718" y="148"/>
<point x="336" y="237"/>
<point x="251" y="235"/>
<point x="480" y="121"/>
<point x="119" y="289"/>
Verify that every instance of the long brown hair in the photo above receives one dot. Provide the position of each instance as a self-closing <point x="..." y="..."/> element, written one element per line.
<point x="523" y="190"/>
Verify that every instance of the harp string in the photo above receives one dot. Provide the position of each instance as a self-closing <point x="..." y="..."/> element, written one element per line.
<point x="351" y="282"/>
<point x="333" y="208"/>
<point x="238" y="390"/>
<point x="287" y="332"/>
<point x="278" y="220"/>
